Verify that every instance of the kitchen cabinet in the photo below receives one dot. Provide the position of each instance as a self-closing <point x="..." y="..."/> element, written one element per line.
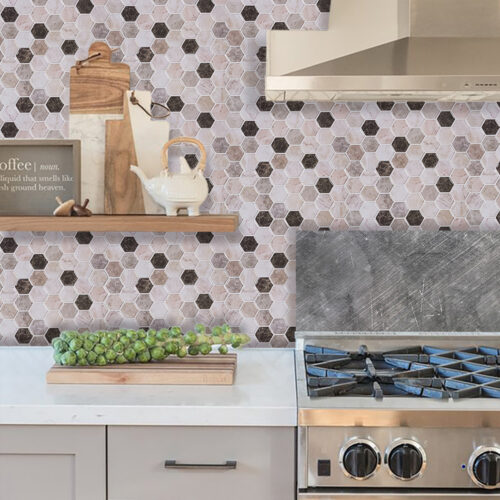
<point x="201" y="463"/>
<point x="52" y="462"/>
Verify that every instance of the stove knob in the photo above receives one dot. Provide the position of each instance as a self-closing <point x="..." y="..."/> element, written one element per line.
<point x="484" y="467"/>
<point x="359" y="459"/>
<point x="405" y="459"/>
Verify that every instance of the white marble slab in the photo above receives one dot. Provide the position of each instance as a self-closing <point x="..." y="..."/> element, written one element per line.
<point x="91" y="130"/>
<point x="263" y="395"/>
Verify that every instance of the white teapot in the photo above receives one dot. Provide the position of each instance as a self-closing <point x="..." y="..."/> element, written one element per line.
<point x="187" y="189"/>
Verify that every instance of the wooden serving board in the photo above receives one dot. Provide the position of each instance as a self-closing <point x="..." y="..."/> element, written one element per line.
<point x="97" y="90"/>
<point x="98" y="86"/>
<point x="214" y="369"/>
<point x="122" y="188"/>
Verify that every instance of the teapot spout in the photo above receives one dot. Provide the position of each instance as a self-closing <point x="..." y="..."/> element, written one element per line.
<point x="137" y="171"/>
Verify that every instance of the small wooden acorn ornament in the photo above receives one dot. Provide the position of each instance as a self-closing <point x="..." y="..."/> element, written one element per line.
<point x="81" y="210"/>
<point x="65" y="207"/>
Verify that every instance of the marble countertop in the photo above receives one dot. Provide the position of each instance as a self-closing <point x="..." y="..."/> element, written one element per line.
<point x="263" y="395"/>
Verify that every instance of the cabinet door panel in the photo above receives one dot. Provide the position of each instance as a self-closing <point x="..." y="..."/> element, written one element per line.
<point x="52" y="463"/>
<point x="36" y="476"/>
<point x="264" y="456"/>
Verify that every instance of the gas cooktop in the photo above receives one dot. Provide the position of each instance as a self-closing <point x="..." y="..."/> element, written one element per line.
<point x="411" y="371"/>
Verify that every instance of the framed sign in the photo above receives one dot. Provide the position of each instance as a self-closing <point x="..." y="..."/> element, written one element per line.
<point x="34" y="172"/>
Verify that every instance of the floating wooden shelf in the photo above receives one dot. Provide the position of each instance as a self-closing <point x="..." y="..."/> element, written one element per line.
<point x="122" y="223"/>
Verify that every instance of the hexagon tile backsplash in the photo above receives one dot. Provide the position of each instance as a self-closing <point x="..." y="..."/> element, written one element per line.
<point x="372" y="166"/>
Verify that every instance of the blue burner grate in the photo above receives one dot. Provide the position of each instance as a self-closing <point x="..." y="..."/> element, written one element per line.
<point x="419" y="371"/>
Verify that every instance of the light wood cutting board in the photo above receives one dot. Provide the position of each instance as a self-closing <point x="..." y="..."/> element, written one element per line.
<point x="214" y="369"/>
<point x="149" y="137"/>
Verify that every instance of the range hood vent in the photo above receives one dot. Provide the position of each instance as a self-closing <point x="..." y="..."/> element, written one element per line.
<point x="414" y="50"/>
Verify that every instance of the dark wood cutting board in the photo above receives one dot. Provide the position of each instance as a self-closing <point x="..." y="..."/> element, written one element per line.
<point x="97" y="87"/>
<point x="122" y="188"/>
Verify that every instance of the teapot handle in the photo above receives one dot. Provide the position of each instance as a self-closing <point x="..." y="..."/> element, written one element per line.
<point x="164" y="152"/>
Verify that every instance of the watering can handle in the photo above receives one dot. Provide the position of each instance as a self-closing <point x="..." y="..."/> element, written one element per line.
<point x="164" y="151"/>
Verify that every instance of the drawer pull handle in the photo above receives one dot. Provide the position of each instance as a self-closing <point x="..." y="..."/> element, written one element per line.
<point x="228" y="465"/>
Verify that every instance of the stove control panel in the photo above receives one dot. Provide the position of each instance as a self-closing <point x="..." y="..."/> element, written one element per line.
<point x="484" y="467"/>
<point x="406" y="459"/>
<point x="359" y="459"/>
<point x="409" y="458"/>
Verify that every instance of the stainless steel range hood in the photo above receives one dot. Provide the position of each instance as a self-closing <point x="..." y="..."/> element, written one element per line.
<point x="415" y="50"/>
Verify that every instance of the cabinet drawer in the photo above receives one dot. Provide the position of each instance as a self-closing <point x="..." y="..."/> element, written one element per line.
<point x="264" y="469"/>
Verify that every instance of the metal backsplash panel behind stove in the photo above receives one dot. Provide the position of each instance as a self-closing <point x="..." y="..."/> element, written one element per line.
<point x="398" y="281"/>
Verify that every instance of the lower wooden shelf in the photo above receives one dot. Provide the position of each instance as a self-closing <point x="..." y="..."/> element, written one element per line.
<point x="122" y="223"/>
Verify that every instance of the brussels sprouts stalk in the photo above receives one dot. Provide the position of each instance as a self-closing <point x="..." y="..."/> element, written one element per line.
<point x="138" y="346"/>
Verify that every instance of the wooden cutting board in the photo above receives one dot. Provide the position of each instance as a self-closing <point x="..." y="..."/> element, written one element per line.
<point x="98" y="85"/>
<point x="122" y="188"/>
<point x="214" y="369"/>
<point x="97" y="88"/>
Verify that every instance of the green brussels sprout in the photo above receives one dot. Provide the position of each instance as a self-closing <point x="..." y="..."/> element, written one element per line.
<point x="175" y="332"/>
<point x="88" y="345"/>
<point x="132" y="335"/>
<point x="171" y="347"/>
<point x="235" y="344"/>
<point x="144" y="357"/>
<point x="61" y="346"/>
<point x="129" y="354"/>
<point x="216" y="339"/>
<point x="101" y="360"/>
<point x="223" y="349"/>
<point x="150" y="341"/>
<point x="158" y="353"/>
<point x="110" y="355"/>
<point x="57" y="357"/>
<point x="193" y="350"/>
<point x="94" y="338"/>
<point x="162" y="335"/>
<point x="182" y="352"/>
<point x="141" y="334"/>
<point x="106" y="341"/>
<point x="205" y="349"/>
<point x="118" y="347"/>
<point x="139" y="346"/>
<point x="91" y="357"/>
<point x="82" y="362"/>
<point x="75" y="344"/>
<point x="99" y="349"/>
<point x="190" y="338"/>
<point x="68" y="358"/>
<point x="68" y="335"/>
<point x="121" y="359"/>
<point x="217" y="330"/>
<point x="200" y="328"/>
<point x="124" y="340"/>
<point x="226" y="328"/>
<point x="81" y="354"/>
